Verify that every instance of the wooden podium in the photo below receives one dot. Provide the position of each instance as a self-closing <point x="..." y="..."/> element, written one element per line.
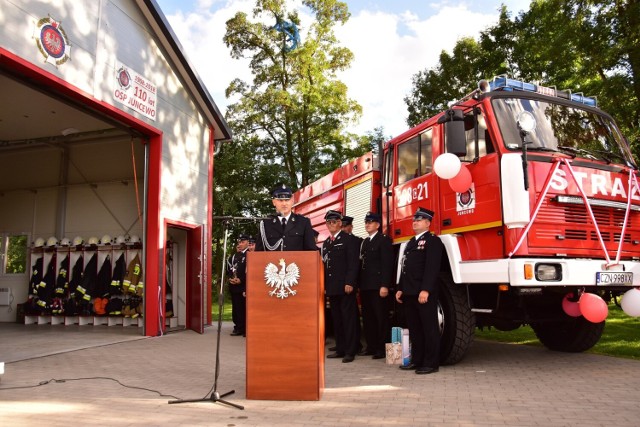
<point x="285" y="331"/>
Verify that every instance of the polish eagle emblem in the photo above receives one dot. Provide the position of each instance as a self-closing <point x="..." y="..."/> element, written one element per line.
<point x="282" y="279"/>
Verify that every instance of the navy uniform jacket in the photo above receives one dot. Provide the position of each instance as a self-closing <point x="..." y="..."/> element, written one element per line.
<point x="376" y="263"/>
<point x="297" y="235"/>
<point x="421" y="264"/>
<point x="341" y="263"/>
<point x="237" y="266"/>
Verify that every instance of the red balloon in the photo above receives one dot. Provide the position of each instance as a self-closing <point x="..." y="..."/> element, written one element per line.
<point x="571" y="308"/>
<point x="462" y="181"/>
<point x="593" y="308"/>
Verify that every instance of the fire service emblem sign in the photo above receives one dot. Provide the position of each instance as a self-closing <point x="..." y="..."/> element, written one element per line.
<point x="52" y="41"/>
<point x="282" y="280"/>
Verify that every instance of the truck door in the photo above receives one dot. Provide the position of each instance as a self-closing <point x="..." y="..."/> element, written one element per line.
<point x="414" y="183"/>
<point x="476" y="213"/>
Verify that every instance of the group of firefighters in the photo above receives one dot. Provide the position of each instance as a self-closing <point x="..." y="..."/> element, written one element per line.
<point x="352" y="265"/>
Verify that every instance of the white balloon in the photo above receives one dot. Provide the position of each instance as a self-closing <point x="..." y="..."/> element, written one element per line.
<point x="631" y="302"/>
<point x="447" y="165"/>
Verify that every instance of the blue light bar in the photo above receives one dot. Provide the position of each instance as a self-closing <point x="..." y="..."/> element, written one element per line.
<point x="505" y="83"/>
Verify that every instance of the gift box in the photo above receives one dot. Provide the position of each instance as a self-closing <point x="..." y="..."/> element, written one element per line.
<point x="394" y="353"/>
<point x="396" y="334"/>
<point x="406" y="347"/>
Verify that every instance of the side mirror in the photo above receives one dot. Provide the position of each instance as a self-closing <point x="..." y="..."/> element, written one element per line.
<point x="454" y="135"/>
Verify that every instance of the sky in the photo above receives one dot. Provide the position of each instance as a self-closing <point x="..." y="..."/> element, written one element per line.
<point x="391" y="40"/>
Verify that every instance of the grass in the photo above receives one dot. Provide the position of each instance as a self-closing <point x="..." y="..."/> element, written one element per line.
<point x="226" y="309"/>
<point x="621" y="336"/>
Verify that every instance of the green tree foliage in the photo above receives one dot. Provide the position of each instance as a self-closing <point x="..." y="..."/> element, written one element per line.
<point x="589" y="46"/>
<point x="289" y="122"/>
<point x="292" y="117"/>
<point x="16" y="254"/>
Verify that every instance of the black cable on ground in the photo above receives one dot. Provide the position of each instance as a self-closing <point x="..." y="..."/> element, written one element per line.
<point x="63" y="380"/>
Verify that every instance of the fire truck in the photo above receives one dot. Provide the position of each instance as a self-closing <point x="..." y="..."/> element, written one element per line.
<point x="551" y="210"/>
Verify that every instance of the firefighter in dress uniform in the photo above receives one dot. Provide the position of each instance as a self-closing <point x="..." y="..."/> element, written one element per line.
<point x="376" y="265"/>
<point x="340" y="258"/>
<point x="237" y="271"/>
<point x="418" y="292"/>
<point x="285" y="231"/>
<point x="347" y="227"/>
<point x="252" y="243"/>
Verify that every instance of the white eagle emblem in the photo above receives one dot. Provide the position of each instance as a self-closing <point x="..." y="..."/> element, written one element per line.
<point x="282" y="280"/>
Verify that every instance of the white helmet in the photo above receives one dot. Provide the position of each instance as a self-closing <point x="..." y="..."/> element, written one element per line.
<point x="120" y="240"/>
<point x="78" y="241"/>
<point x="92" y="241"/>
<point x="134" y="239"/>
<point x="52" y="241"/>
<point x="106" y="240"/>
<point x="39" y="242"/>
<point x="65" y="242"/>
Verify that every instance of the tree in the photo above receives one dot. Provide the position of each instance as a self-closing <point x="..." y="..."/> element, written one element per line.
<point x="292" y="117"/>
<point x="289" y="123"/>
<point x="588" y="46"/>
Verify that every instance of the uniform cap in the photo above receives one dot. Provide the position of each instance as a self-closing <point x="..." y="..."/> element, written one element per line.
<point x="243" y="237"/>
<point x="252" y="239"/>
<point x="282" y="192"/>
<point x="347" y="220"/>
<point x="423" y="213"/>
<point x="331" y="214"/>
<point x="372" y="216"/>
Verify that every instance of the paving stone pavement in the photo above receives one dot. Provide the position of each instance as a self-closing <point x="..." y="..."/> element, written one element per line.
<point x="495" y="385"/>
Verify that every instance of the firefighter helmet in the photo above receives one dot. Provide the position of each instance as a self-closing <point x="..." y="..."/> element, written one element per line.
<point x="134" y="239"/>
<point x="120" y="239"/>
<point x="78" y="241"/>
<point x="92" y="241"/>
<point x="65" y="242"/>
<point x="52" y="241"/>
<point x="106" y="240"/>
<point x="39" y="242"/>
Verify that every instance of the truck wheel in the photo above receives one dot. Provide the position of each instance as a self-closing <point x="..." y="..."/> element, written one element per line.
<point x="573" y="335"/>
<point x="457" y="321"/>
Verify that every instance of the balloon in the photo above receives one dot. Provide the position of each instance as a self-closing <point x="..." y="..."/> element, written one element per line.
<point x="571" y="308"/>
<point x="446" y="166"/>
<point x="631" y="302"/>
<point x="462" y="181"/>
<point x="593" y="308"/>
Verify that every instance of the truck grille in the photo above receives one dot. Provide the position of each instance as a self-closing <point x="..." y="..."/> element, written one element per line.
<point x="566" y="224"/>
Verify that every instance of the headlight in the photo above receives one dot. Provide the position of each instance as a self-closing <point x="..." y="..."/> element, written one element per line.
<point x="548" y="272"/>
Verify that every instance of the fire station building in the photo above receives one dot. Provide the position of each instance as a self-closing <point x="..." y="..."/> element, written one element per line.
<point x="107" y="145"/>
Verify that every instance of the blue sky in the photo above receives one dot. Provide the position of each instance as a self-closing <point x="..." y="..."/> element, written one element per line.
<point x="391" y="39"/>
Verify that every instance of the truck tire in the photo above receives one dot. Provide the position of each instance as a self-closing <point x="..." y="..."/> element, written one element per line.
<point x="457" y="321"/>
<point x="573" y="335"/>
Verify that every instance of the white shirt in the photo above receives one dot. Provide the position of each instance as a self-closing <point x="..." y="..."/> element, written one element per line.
<point x="420" y="235"/>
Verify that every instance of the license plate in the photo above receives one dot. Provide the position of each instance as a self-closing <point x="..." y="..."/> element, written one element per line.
<point x="614" y="278"/>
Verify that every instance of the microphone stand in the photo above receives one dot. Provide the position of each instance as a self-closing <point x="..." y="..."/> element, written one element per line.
<point x="215" y="396"/>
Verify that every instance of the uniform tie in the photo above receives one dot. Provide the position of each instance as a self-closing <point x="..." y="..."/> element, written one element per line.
<point x="284" y="223"/>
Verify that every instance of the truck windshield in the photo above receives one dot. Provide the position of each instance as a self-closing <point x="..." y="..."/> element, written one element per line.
<point x="562" y="128"/>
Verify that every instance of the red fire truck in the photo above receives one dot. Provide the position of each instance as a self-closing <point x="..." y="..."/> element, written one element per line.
<point x="552" y="209"/>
